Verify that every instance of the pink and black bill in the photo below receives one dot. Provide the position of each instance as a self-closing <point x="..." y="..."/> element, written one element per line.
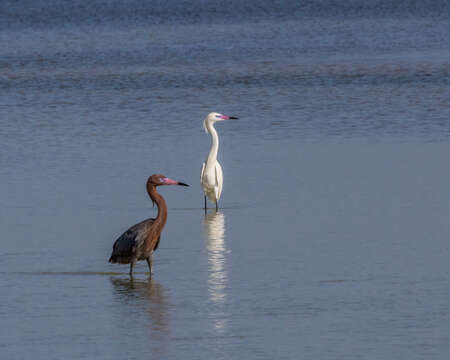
<point x="225" y="117"/>
<point x="167" y="181"/>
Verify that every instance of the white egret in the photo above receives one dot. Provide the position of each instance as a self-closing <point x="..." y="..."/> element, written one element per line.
<point x="211" y="177"/>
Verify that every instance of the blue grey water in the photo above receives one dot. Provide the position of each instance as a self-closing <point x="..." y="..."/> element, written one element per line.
<point x="332" y="241"/>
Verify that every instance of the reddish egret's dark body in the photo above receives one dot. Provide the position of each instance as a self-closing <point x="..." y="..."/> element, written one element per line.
<point x="140" y="240"/>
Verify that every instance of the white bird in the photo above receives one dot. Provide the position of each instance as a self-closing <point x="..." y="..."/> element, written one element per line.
<point x="211" y="177"/>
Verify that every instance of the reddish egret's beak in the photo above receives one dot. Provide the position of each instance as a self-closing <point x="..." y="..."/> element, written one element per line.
<point x="168" y="181"/>
<point x="225" y="117"/>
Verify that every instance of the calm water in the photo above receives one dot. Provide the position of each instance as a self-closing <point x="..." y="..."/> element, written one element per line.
<point x="333" y="239"/>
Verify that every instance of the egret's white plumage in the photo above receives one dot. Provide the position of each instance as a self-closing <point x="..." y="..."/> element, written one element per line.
<point x="211" y="176"/>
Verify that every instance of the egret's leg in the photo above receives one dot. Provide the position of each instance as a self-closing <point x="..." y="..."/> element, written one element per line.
<point x="149" y="262"/>
<point x="131" y="267"/>
<point x="205" y="205"/>
<point x="217" y="205"/>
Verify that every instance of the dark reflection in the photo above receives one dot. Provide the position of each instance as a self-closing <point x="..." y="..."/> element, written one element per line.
<point x="214" y="230"/>
<point x="147" y="300"/>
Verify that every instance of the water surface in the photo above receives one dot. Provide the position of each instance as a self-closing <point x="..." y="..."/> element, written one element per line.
<point x="332" y="237"/>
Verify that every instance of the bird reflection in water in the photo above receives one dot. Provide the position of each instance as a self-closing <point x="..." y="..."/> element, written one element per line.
<point x="214" y="230"/>
<point x="145" y="297"/>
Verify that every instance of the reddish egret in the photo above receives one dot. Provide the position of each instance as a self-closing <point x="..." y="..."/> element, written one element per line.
<point x="140" y="240"/>
<point x="211" y="177"/>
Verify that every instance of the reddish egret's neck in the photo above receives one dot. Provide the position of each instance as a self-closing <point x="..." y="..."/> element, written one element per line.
<point x="160" y="220"/>
<point x="212" y="157"/>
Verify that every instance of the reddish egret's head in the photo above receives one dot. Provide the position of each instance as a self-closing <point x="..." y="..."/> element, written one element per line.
<point x="213" y="117"/>
<point x="158" y="180"/>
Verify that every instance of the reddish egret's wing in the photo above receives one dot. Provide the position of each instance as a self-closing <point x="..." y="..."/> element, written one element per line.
<point x="157" y="243"/>
<point x="125" y="247"/>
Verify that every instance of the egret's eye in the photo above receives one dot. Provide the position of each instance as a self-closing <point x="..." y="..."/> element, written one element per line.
<point x="162" y="180"/>
<point x="218" y="116"/>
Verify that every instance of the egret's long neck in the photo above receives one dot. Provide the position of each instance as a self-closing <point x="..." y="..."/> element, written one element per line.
<point x="212" y="157"/>
<point x="161" y="218"/>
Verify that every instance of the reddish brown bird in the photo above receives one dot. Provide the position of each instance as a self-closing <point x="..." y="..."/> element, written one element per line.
<point x="141" y="240"/>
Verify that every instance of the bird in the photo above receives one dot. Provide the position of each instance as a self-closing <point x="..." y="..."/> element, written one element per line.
<point x="211" y="177"/>
<point x="142" y="239"/>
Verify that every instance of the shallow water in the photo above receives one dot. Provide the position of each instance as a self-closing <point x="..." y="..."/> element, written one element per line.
<point x="332" y="237"/>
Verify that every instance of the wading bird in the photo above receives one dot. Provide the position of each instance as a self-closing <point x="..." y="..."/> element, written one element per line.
<point x="211" y="177"/>
<point x="142" y="239"/>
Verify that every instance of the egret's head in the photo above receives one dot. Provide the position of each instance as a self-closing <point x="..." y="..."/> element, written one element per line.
<point x="158" y="180"/>
<point x="213" y="117"/>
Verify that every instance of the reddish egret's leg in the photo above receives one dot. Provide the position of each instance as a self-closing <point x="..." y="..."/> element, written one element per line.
<point x="217" y="205"/>
<point x="205" y="204"/>
<point x="149" y="262"/>
<point x="131" y="267"/>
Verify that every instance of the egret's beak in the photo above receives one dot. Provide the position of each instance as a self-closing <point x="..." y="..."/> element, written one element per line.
<point x="168" y="181"/>
<point x="225" y="117"/>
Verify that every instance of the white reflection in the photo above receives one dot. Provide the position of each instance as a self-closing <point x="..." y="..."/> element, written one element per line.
<point x="214" y="228"/>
